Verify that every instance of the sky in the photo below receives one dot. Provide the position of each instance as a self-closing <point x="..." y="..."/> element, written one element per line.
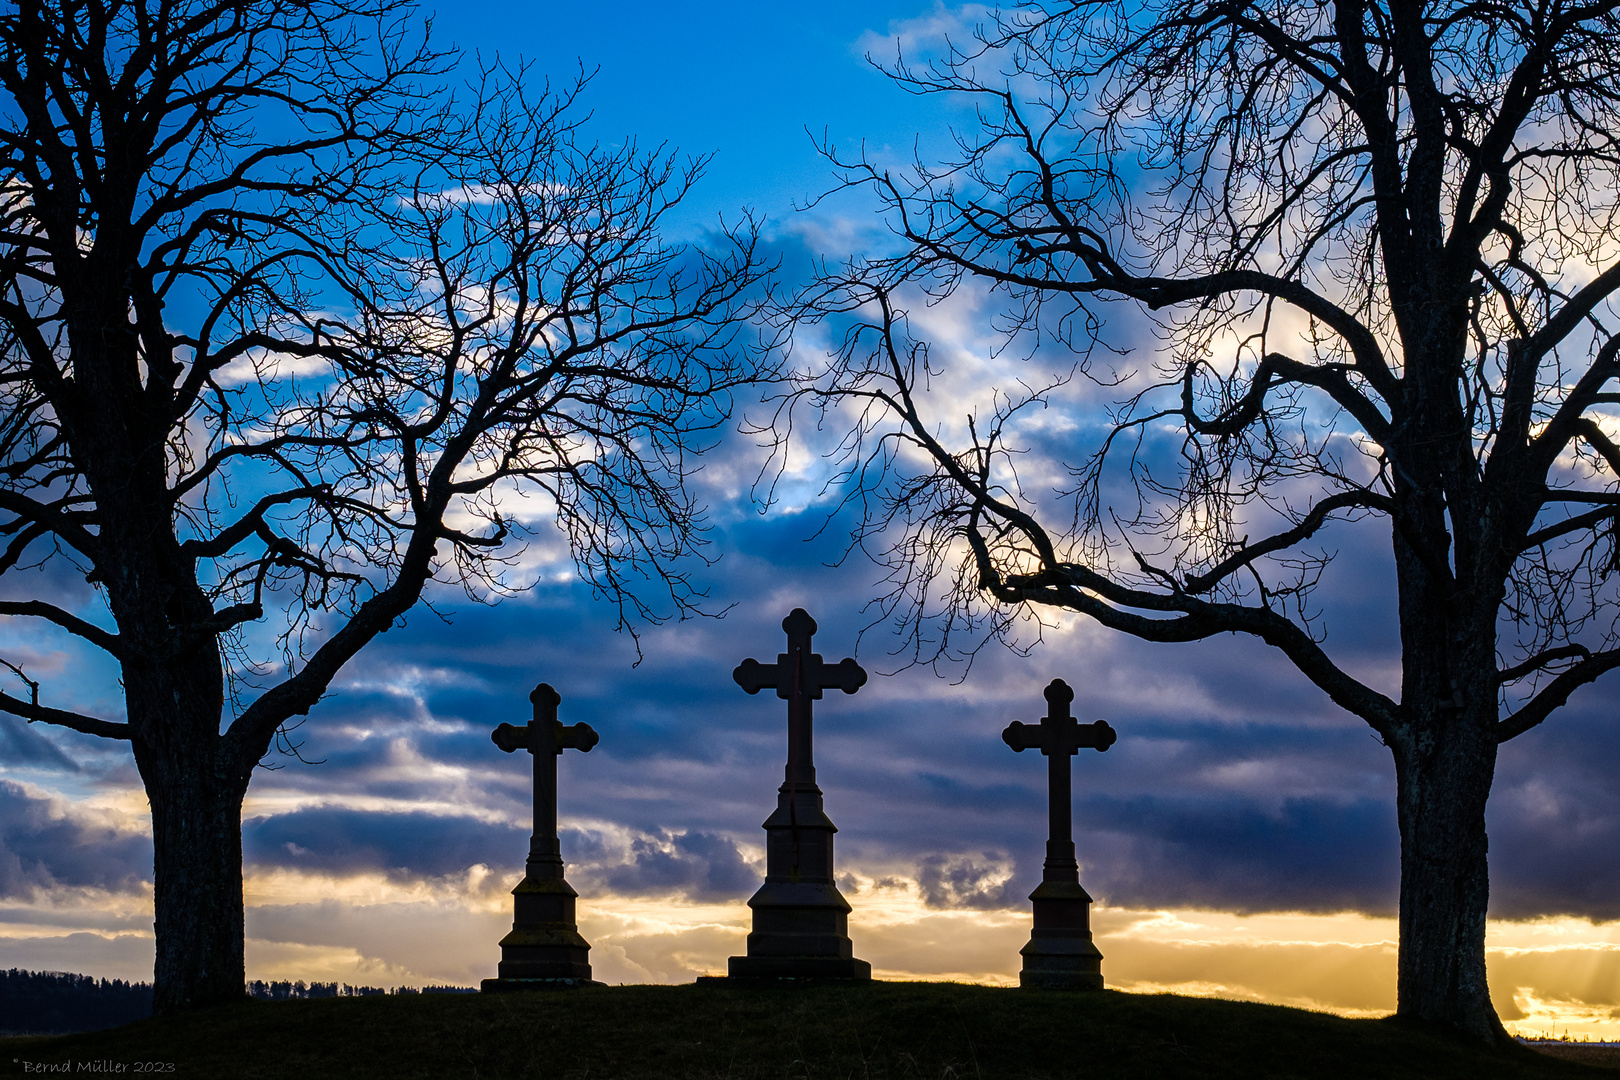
<point x="1239" y="838"/>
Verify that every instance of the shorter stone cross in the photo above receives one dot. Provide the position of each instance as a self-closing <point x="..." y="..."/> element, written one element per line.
<point x="545" y="948"/>
<point x="1060" y="953"/>
<point x="801" y="921"/>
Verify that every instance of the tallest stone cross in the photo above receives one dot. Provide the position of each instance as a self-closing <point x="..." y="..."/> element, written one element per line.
<point x="801" y="921"/>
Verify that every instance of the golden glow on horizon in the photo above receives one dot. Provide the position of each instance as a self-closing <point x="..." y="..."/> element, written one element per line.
<point x="1549" y="977"/>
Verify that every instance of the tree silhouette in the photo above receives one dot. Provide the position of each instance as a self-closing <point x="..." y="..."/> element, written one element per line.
<point x="1377" y="244"/>
<point x="291" y="331"/>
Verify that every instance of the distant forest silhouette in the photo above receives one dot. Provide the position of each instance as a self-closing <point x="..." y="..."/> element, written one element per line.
<point x="58" y="1003"/>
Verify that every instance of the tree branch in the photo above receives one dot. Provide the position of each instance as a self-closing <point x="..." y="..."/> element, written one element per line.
<point x="1307" y="527"/>
<point x="95" y="635"/>
<point x="1556" y="693"/>
<point x="1090" y="593"/>
<point x="89" y="725"/>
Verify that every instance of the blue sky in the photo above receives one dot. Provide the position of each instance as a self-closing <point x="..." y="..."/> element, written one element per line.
<point x="1240" y="837"/>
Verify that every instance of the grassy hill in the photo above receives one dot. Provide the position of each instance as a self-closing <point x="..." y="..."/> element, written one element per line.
<point x="928" y="1031"/>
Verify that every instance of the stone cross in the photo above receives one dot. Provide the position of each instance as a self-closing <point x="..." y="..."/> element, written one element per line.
<point x="544" y="949"/>
<point x="1060" y="953"/>
<point x="801" y="921"/>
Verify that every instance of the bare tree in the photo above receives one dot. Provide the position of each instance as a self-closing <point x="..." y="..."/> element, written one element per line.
<point x="1377" y="243"/>
<point x="290" y="332"/>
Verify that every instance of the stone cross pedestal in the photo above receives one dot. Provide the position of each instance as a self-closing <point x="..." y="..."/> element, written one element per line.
<point x="544" y="950"/>
<point x="801" y="921"/>
<point x="1060" y="954"/>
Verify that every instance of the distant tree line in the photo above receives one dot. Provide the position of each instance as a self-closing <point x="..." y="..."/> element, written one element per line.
<point x="57" y="1003"/>
<point x="290" y="991"/>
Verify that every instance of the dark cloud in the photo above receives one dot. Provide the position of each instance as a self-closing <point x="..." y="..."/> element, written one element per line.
<point x="340" y="841"/>
<point x="40" y="849"/>
<point x="21" y="744"/>
<point x="701" y="866"/>
<point x="1236" y="854"/>
<point x="1235" y="785"/>
<point x="1563" y="868"/>
<point x="1554" y="818"/>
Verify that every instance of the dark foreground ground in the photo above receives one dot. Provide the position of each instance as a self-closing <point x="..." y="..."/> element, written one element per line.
<point x="888" y="1030"/>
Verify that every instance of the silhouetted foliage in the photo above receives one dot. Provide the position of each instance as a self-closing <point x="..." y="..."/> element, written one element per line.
<point x="55" y="1002"/>
<point x="288" y="331"/>
<point x="300" y="990"/>
<point x="1374" y="242"/>
<point x="260" y="990"/>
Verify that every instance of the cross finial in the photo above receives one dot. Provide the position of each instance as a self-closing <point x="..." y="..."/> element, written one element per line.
<point x="800" y="627"/>
<point x="545" y="731"/>
<point x="799" y="676"/>
<point x="799" y="673"/>
<point x="1058" y="732"/>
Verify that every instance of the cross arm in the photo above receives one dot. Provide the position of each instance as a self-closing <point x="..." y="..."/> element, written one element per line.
<point x="580" y="736"/>
<point x="846" y="675"/>
<point x="510" y="737"/>
<point x="1021" y="736"/>
<point x="1097" y="736"/>
<point x="754" y="676"/>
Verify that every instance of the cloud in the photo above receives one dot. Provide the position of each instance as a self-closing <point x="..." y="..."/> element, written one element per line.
<point x="24" y="745"/>
<point x="1554" y="818"/>
<point x="924" y="35"/>
<point x="696" y="865"/>
<point x="338" y="840"/>
<point x="965" y="881"/>
<point x="388" y="944"/>
<point x="266" y="366"/>
<point x="115" y="956"/>
<point x="45" y="843"/>
<point x="1240" y="855"/>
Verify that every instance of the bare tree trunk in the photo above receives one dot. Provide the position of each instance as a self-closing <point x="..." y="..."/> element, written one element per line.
<point x="1443" y="778"/>
<point x="196" y="788"/>
<point x="197" y="895"/>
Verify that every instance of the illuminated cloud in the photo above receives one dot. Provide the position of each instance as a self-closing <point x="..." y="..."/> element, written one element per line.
<point x="44" y="845"/>
<point x="698" y="865"/>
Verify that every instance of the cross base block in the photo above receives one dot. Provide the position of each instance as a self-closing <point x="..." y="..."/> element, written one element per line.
<point x="508" y="986"/>
<point x="1059" y="980"/>
<point x="793" y="969"/>
<point x="544" y="946"/>
<point x="1060" y="954"/>
<point x="801" y="931"/>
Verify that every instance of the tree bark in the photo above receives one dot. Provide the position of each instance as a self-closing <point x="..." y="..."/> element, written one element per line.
<point x="1444" y="745"/>
<point x="196" y="785"/>
<point x="1443" y="778"/>
<point x="197" y="893"/>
